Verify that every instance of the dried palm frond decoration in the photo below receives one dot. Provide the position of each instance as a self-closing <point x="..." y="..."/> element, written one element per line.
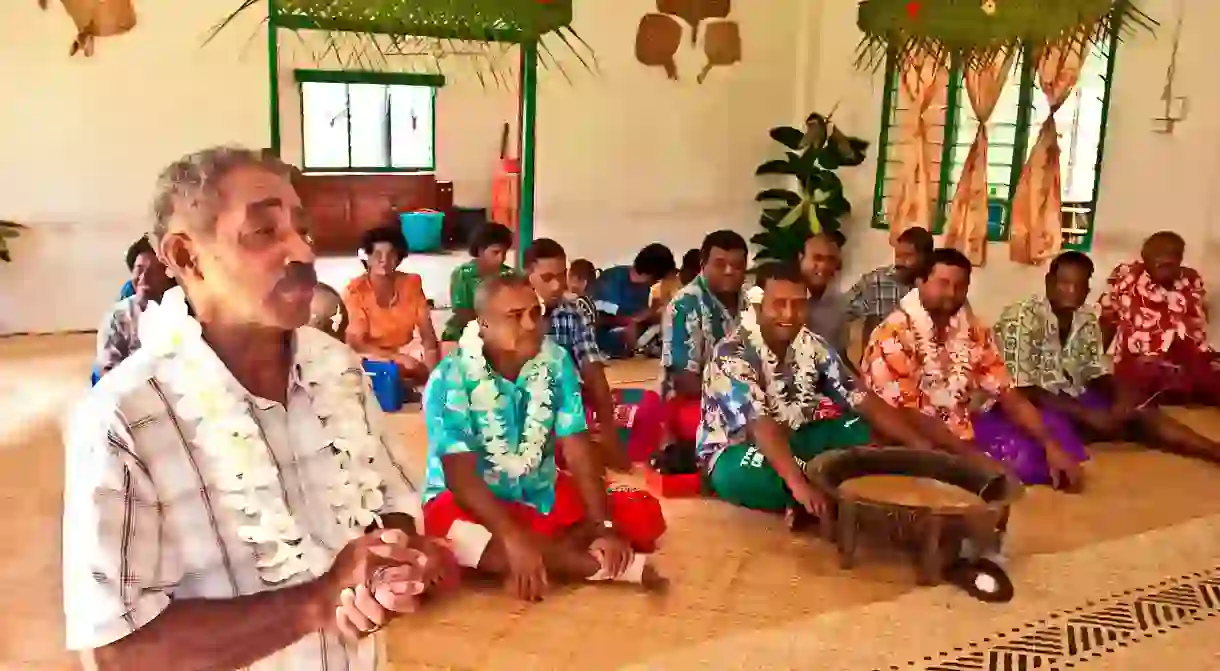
<point x="968" y="31"/>
<point x="423" y="35"/>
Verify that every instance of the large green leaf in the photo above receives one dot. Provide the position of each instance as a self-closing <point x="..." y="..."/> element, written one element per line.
<point x="776" y="167"/>
<point x="790" y="198"/>
<point x="788" y="136"/>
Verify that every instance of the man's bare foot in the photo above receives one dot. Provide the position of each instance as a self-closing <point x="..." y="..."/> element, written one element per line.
<point x="652" y="581"/>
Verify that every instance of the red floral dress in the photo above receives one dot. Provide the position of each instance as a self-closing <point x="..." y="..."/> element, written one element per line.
<point x="1160" y="343"/>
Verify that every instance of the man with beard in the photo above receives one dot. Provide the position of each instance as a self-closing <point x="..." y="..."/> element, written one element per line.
<point x="702" y="313"/>
<point x="230" y="501"/>
<point x="933" y="359"/>
<point x="1054" y="350"/>
<point x="1154" y="311"/>
<point x="498" y="408"/>
<point x="775" y="396"/>
<point x="546" y="266"/>
<point x="876" y="294"/>
<point x="119" y="338"/>
<point x="821" y="260"/>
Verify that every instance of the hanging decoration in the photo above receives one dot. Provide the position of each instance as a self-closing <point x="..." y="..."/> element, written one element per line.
<point x="659" y="35"/>
<point x="94" y="19"/>
<point x="969" y="31"/>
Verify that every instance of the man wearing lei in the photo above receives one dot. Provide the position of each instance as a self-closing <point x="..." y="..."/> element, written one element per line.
<point x="498" y="407"/>
<point x="230" y="501"/>
<point x="701" y="313"/>
<point x="776" y="395"/>
<point x="932" y="359"/>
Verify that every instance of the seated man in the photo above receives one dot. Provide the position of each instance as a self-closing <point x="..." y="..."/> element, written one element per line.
<point x="497" y="409"/>
<point x="621" y="296"/>
<point x="776" y="395"/>
<point x="932" y="358"/>
<point x="118" y="337"/>
<point x="1154" y="313"/>
<point x="546" y="266"/>
<point x="1054" y="352"/>
<point x="488" y="249"/>
<point x="821" y="260"/>
<point x="875" y="295"/>
<point x="702" y="313"/>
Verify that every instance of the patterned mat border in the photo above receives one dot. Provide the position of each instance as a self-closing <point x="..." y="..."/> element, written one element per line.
<point x="1068" y="638"/>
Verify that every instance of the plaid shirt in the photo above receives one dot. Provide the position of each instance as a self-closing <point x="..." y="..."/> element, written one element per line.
<point x="118" y="337"/>
<point x="572" y="331"/>
<point x="875" y="295"/>
<point x="145" y="523"/>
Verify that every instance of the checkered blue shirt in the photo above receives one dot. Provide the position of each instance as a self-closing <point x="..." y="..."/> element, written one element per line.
<point x="572" y="331"/>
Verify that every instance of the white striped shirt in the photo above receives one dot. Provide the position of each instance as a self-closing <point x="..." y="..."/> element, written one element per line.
<point x="144" y="525"/>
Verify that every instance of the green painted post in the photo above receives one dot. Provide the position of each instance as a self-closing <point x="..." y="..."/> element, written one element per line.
<point x="527" y="116"/>
<point x="273" y="67"/>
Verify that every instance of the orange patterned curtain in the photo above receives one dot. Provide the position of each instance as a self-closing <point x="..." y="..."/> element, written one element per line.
<point x="920" y="80"/>
<point x="968" y="212"/>
<point x="1037" y="233"/>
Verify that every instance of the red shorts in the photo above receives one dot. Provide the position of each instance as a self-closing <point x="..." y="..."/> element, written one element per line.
<point x="636" y="514"/>
<point x="683" y="415"/>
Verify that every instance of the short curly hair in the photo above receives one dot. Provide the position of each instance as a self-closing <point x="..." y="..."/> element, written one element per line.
<point x="390" y="234"/>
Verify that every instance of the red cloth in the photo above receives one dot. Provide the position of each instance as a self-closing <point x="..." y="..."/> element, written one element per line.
<point x="682" y="417"/>
<point x="636" y="514"/>
<point x="1183" y="375"/>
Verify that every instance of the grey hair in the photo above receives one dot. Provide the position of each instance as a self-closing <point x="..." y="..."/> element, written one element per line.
<point x="489" y="288"/>
<point x="190" y="186"/>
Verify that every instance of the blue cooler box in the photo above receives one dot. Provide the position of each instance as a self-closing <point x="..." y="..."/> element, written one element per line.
<point x="387" y="384"/>
<point x="422" y="230"/>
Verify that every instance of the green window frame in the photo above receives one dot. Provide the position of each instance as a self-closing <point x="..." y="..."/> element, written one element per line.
<point x="385" y="121"/>
<point x="1013" y="129"/>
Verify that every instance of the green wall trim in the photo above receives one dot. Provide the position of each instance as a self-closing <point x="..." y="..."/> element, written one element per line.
<point x="528" y="123"/>
<point x="1086" y="244"/>
<point x="883" y="142"/>
<point x="370" y="77"/>
<point x="948" y="138"/>
<point x="273" y="68"/>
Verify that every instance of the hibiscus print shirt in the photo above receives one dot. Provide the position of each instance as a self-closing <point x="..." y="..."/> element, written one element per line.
<point x="895" y="370"/>
<point x="1037" y="356"/>
<point x="1150" y="318"/>
<point x="693" y="322"/>
<point x="736" y="391"/>
<point x="453" y="428"/>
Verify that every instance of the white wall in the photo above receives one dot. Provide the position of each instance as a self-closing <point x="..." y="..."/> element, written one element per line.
<point x="1149" y="181"/>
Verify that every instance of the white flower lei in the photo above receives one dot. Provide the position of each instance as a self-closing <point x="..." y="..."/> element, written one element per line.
<point x="791" y="413"/>
<point x="486" y="402"/>
<point x="238" y="456"/>
<point x="945" y="389"/>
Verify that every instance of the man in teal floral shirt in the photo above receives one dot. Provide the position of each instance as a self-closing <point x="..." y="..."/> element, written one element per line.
<point x="497" y="409"/>
<point x="699" y="315"/>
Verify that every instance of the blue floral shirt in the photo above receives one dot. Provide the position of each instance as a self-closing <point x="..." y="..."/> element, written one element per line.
<point x="693" y="322"/>
<point x="454" y="429"/>
<point x="815" y="385"/>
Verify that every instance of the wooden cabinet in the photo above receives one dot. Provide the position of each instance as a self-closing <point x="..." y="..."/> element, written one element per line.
<point x="342" y="207"/>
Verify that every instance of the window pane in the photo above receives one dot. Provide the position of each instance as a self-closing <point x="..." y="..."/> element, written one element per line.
<point x="368" y="105"/>
<point x="411" y="127"/>
<point x="324" y="124"/>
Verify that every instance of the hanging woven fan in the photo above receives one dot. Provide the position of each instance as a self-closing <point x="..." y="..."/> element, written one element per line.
<point x="972" y="30"/>
<point x="96" y="18"/>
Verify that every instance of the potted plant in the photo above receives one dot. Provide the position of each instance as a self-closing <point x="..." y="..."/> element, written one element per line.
<point x="8" y="229"/>
<point x="816" y="204"/>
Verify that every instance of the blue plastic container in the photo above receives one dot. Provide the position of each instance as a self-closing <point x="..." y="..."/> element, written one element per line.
<point x="422" y="230"/>
<point x="387" y="384"/>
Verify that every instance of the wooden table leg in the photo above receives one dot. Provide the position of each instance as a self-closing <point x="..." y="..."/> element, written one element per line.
<point x="931" y="557"/>
<point x="848" y="533"/>
<point x="826" y="523"/>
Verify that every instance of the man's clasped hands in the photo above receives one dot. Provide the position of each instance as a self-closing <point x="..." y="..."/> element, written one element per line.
<point x="381" y="575"/>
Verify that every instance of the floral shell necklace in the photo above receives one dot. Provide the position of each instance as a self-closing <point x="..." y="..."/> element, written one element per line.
<point x="945" y="387"/>
<point x="237" y="456"/>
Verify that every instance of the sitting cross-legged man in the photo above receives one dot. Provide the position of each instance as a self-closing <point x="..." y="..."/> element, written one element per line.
<point x="546" y="266"/>
<point x="702" y="313"/>
<point x="933" y="359"/>
<point x="1154" y="313"/>
<point x="497" y="409"/>
<point x="776" y="395"/>
<point x="1054" y="350"/>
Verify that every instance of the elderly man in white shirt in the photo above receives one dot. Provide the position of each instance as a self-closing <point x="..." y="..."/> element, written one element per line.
<point x="230" y="499"/>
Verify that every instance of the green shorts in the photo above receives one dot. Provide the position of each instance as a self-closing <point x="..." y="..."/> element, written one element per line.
<point x="742" y="476"/>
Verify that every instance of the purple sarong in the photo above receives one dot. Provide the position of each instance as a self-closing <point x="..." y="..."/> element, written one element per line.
<point x="1001" y="440"/>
